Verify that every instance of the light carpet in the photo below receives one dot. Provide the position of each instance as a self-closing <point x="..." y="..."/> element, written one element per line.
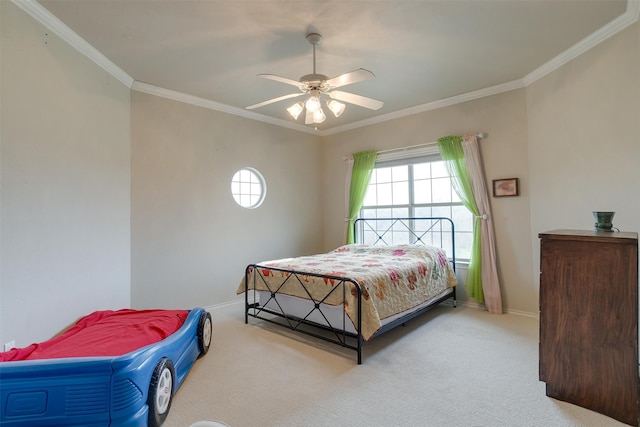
<point x="449" y="367"/>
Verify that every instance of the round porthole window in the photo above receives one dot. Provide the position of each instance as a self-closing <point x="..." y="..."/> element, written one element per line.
<point x="248" y="188"/>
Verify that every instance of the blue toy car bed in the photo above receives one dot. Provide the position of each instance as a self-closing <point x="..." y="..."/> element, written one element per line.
<point x="130" y="389"/>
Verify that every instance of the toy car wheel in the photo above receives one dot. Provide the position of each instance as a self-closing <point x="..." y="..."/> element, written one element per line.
<point x="160" y="392"/>
<point x="204" y="332"/>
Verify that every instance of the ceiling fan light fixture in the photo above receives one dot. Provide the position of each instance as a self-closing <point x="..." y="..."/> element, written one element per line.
<point x="337" y="108"/>
<point x="295" y="110"/>
<point x="313" y="103"/>
<point x="318" y="116"/>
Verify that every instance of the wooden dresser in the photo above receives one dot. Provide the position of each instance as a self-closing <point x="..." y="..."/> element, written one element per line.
<point x="589" y="320"/>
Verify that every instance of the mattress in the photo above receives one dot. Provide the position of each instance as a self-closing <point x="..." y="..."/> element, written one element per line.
<point x="104" y="333"/>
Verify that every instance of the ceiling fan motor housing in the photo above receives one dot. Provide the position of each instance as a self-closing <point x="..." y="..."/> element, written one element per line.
<point x="315" y="81"/>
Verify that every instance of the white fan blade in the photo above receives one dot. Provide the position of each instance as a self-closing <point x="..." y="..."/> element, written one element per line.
<point x="308" y="118"/>
<point x="271" y="101"/>
<point x="349" y="78"/>
<point x="363" y="101"/>
<point x="281" y="79"/>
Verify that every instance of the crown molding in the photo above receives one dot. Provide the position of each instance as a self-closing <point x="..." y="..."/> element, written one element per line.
<point x="42" y="15"/>
<point x="620" y="23"/>
<point x="212" y="105"/>
<point x="458" y="99"/>
<point x="47" y="19"/>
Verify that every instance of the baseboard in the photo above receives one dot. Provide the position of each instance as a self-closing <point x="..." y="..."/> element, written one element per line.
<point x="214" y="307"/>
<point x="478" y="306"/>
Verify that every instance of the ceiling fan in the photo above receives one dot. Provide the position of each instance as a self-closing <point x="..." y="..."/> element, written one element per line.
<point x="319" y="87"/>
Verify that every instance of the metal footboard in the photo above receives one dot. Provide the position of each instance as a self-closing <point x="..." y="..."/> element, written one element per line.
<point x="337" y="335"/>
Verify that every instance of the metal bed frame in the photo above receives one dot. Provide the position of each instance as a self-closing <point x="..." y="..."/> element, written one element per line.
<point x="437" y="227"/>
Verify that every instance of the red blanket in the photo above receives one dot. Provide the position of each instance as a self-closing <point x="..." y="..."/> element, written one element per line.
<point x="105" y="333"/>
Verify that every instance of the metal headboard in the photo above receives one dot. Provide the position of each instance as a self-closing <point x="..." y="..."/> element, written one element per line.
<point x="434" y="231"/>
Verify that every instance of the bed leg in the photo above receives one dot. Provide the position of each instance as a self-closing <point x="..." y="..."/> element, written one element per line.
<point x="359" y="346"/>
<point x="246" y="305"/>
<point x="246" y="295"/>
<point x="360" y="339"/>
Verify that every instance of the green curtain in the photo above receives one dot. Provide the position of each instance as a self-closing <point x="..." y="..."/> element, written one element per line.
<point x="363" y="163"/>
<point x="453" y="154"/>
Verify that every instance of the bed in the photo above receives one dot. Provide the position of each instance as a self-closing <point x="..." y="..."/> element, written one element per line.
<point x="398" y="269"/>
<point x="111" y="368"/>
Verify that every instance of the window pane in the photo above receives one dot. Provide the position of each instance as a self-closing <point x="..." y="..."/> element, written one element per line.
<point x="463" y="245"/>
<point x="384" y="213"/>
<point x="370" y="197"/>
<point x="422" y="171"/>
<point x="400" y="193"/>
<point x="374" y="177"/>
<point x="384" y="175"/>
<point x="399" y="212"/>
<point x="462" y="218"/>
<point x="441" y="190"/>
<point x="400" y="173"/>
<point x="422" y="191"/>
<point x="385" y="194"/>
<point x="423" y="211"/>
<point x="454" y="196"/>
<point x="439" y="169"/>
<point x="377" y="213"/>
<point x="444" y="211"/>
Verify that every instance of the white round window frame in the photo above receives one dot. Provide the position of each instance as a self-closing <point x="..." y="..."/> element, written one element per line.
<point x="261" y="180"/>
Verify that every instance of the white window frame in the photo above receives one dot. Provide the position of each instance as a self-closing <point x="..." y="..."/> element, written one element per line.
<point x="248" y="188"/>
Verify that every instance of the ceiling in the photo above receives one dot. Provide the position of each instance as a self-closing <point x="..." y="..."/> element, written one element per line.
<point x="423" y="53"/>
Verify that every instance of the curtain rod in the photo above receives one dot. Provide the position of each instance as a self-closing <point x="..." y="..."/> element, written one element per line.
<point x="481" y="135"/>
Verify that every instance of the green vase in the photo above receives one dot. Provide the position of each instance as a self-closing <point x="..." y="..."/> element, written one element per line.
<point x="603" y="220"/>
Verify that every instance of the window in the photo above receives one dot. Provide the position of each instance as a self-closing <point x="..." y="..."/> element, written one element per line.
<point x="248" y="188"/>
<point x="418" y="187"/>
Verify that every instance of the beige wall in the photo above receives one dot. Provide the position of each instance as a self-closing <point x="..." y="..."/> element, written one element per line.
<point x="65" y="150"/>
<point x="584" y="133"/>
<point x="504" y="153"/>
<point x="190" y="241"/>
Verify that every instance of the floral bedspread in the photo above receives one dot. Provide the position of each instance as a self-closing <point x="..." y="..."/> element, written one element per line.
<point x="392" y="278"/>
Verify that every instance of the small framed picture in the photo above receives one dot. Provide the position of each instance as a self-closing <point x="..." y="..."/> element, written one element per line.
<point x="505" y="187"/>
